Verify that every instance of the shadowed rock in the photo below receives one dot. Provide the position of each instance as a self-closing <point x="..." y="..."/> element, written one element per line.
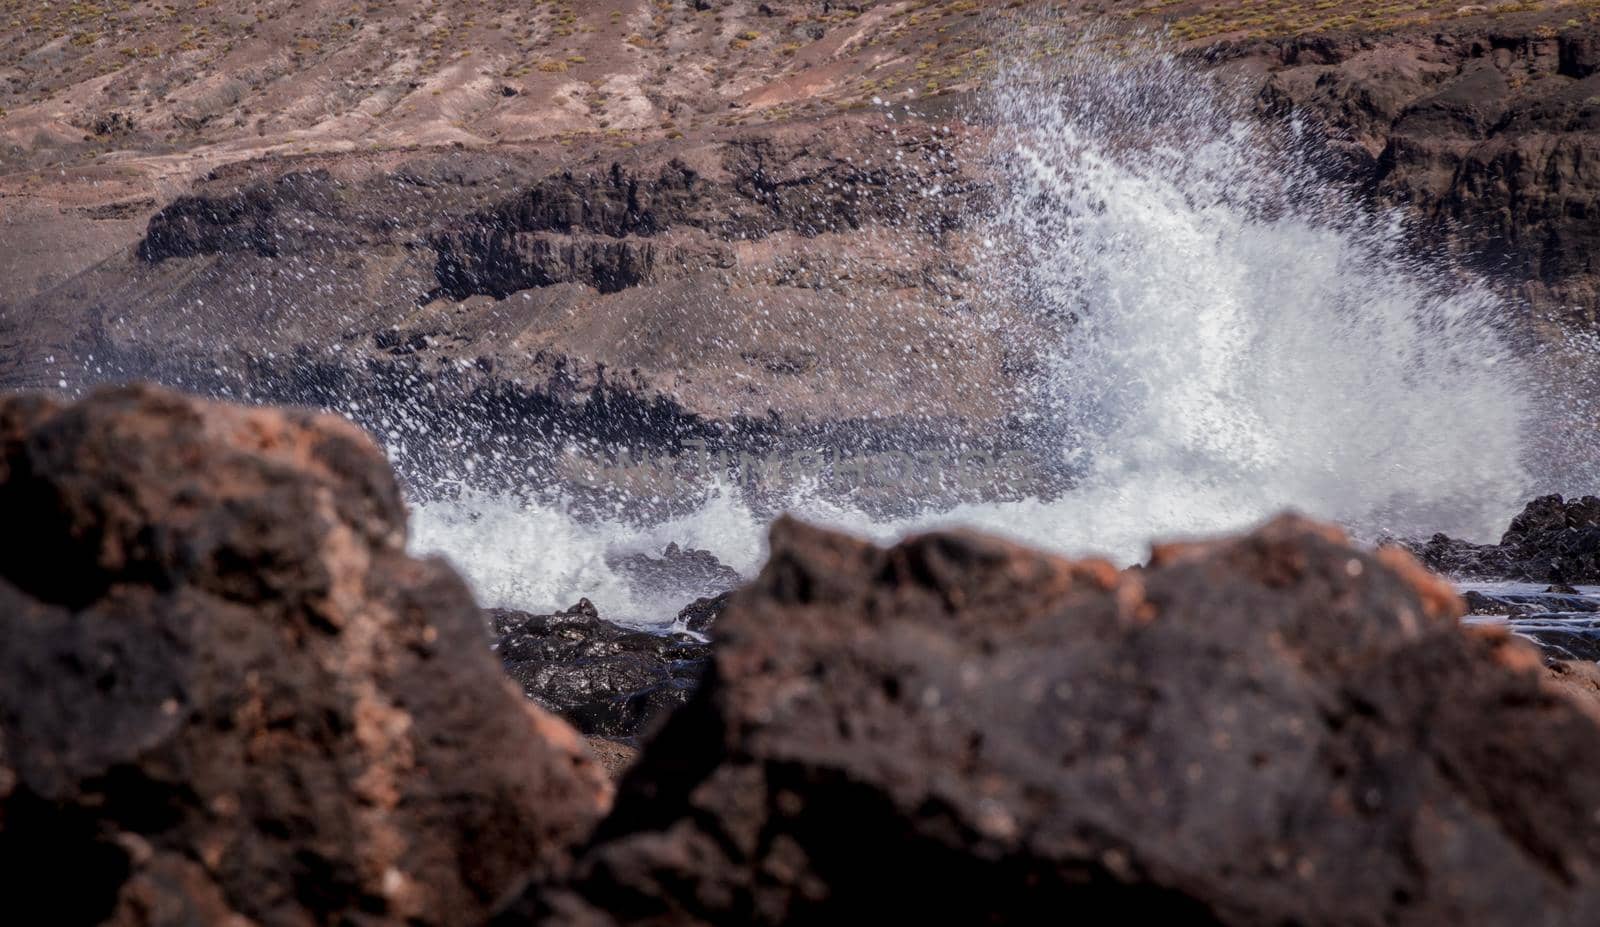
<point x="700" y="615"/>
<point x="1278" y="728"/>
<point x="1480" y="132"/>
<point x="605" y="679"/>
<point x="1566" y="626"/>
<point x="1553" y="540"/>
<point x="227" y="695"/>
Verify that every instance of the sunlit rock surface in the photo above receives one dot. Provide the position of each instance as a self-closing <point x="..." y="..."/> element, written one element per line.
<point x="228" y="695"/>
<point x="1278" y="727"/>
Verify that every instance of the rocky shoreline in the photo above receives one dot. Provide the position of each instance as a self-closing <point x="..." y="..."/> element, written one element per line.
<point x="575" y="251"/>
<point x="230" y="697"/>
<point x="613" y="682"/>
<point x="1553" y="540"/>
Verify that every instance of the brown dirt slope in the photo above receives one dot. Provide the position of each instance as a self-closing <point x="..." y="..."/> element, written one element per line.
<point x="389" y="182"/>
<point x="107" y="110"/>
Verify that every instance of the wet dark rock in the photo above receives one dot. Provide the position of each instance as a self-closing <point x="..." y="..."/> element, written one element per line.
<point x="699" y="616"/>
<point x="678" y="573"/>
<point x="1529" y="603"/>
<point x="1552" y="513"/>
<point x="1479" y="603"/>
<point x="605" y="679"/>
<point x="1553" y="540"/>
<point x="1565" y="627"/>
<point x="227" y="695"/>
<point x="1562" y="637"/>
<point x="1564" y="623"/>
<point x="1463" y="559"/>
<point x="1278" y="728"/>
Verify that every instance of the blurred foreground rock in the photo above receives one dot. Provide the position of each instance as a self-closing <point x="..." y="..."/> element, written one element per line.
<point x="228" y="696"/>
<point x="1277" y="728"/>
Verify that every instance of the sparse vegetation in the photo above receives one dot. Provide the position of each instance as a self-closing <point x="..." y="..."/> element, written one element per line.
<point x="394" y="55"/>
<point x="1193" y="22"/>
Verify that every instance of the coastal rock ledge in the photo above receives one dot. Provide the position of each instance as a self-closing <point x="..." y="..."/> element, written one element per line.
<point x="228" y="696"/>
<point x="1553" y="540"/>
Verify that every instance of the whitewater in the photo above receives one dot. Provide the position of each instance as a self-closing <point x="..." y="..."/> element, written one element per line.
<point x="1235" y="335"/>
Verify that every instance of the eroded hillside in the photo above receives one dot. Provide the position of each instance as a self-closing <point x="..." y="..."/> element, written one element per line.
<point x="761" y="217"/>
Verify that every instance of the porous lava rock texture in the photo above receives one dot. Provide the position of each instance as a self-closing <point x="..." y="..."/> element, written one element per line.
<point x="1269" y="729"/>
<point x="605" y="679"/>
<point x="228" y="696"/>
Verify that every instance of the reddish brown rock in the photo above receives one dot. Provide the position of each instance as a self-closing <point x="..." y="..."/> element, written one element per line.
<point x="615" y="756"/>
<point x="227" y="695"/>
<point x="1277" y="728"/>
<point x="1482" y="131"/>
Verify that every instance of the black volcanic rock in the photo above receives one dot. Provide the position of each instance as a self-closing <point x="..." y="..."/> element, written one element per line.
<point x="297" y="211"/>
<point x="700" y="615"/>
<point x="228" y="696"/>
<point x="605" y="679"/>
<point x="1275" y="729"/>
<point x="678" y="572"/>
<point x="1553" y="540"/>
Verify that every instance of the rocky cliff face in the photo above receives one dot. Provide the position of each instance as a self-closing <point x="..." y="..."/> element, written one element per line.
<point x="228" y="696"/>
<point x="651" y="280"/>
<point x="1553" y="540"/>
<point x="793" y="284"/>
<point x="1485" y="137"/>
